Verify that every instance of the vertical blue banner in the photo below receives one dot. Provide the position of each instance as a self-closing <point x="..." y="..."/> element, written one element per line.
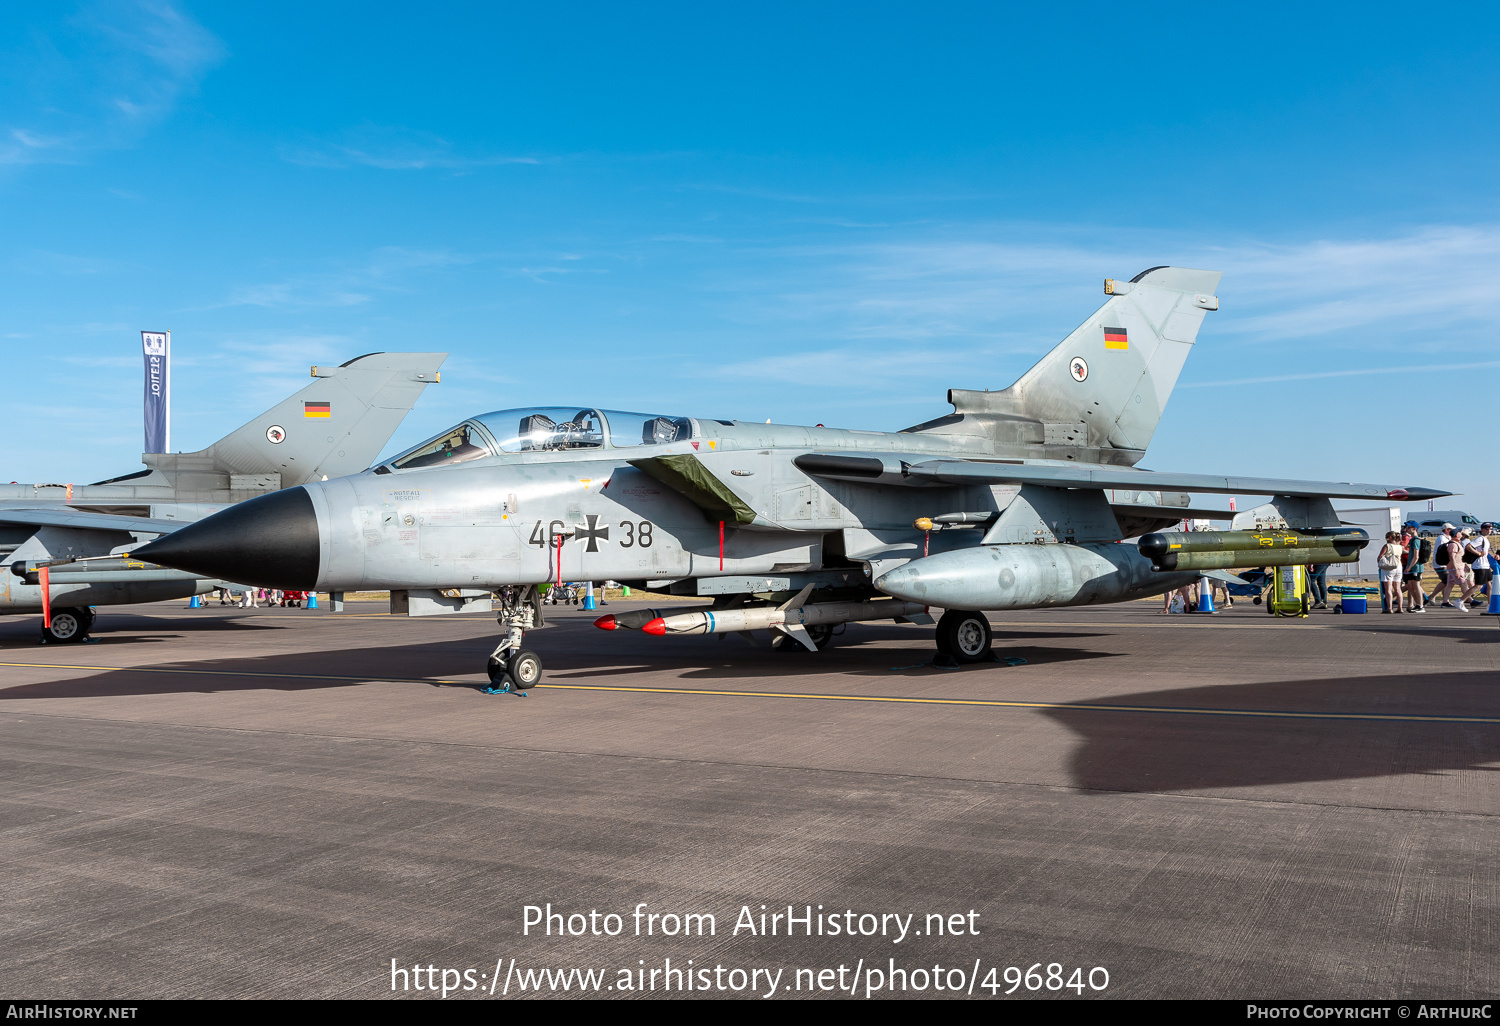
<point x="154" y="350"/>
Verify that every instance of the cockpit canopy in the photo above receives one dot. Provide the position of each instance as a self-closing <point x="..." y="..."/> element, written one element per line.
<point x="543" y="429"/>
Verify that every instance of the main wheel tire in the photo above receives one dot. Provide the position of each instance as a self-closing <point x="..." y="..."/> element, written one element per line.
<point x="966" y="636"/>
<point x="525" y="669"/>
<point x="821" y="634"/>
<point x="69" y="625"/>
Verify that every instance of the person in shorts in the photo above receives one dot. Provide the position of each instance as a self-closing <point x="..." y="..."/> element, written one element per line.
<point x="1458" y="576"/>
<point x="1440" y="551"/>
<point x="1465" y="570"/>
<point x="1389" y="565"/>
<point x="1480" y="547"/>
<point x="1411" y="567"/>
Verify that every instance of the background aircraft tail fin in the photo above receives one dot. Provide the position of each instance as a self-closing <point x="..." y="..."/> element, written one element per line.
<point x="337" y="425"/>
<point x="1100" y="393"/>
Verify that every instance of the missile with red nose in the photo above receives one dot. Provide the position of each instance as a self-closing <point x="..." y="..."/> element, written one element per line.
<point x="635" y="619"/>
<point x="789" y="620"/>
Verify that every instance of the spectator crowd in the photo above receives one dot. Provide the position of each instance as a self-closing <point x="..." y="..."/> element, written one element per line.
<point x="1462" y="560"/>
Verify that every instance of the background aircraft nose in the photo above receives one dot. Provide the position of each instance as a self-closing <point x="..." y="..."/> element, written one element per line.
<point x="270" y="541"/>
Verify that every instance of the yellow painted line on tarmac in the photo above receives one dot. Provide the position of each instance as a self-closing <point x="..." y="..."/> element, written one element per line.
<point x="1271" y="713"/>
<point x="1293" y="714"/>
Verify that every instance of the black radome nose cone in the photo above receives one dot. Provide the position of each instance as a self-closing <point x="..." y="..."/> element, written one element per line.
<point x="270" y="541"/>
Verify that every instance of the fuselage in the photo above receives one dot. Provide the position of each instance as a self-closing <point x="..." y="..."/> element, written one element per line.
<point x="589" y="514"/>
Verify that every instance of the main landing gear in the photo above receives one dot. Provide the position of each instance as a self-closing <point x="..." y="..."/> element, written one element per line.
<point x="70" y="625"/>
<point x="963" y="637"/>
<point x="511" y="668"/>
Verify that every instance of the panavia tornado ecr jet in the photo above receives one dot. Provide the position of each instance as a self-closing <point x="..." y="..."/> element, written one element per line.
<point x="1017" y="499"/>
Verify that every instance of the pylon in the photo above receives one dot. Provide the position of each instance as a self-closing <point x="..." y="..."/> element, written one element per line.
<point x="588" y="596"/>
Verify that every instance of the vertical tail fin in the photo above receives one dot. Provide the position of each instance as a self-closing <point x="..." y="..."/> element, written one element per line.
<point x="337" y="425"/>
<point x="1100" y="394"/>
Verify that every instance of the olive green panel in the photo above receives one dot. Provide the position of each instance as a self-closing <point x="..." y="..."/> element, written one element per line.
<point x="686" y="474"/>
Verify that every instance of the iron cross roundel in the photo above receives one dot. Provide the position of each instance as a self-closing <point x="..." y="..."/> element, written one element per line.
<point x="593" y="533"/>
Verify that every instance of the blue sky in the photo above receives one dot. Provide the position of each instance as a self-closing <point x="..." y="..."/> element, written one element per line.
<point x="810" y="213"/>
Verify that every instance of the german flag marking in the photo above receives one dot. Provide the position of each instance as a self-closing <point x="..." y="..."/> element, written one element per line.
<point x="1115" y="338"/>
<point x="317" y="409"/>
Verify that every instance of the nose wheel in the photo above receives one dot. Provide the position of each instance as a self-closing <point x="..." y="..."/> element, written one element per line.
<point x="516" y="672"/>
<point x="513" y="672"/>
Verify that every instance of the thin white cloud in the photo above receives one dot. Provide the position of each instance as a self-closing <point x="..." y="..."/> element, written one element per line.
<point x="1430" y="290"/>
<point x="848" y="367"/>
<point x="383" y="270"/>
<point x="101" y="79"/>
<point x="391" y="148"/>
<point x="1357" y="372"/>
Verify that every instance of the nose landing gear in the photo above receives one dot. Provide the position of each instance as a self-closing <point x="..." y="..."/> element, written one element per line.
<point x="511" y="668"/>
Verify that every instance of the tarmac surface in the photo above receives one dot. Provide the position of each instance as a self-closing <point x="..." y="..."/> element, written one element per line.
<point x="279" y="802"/>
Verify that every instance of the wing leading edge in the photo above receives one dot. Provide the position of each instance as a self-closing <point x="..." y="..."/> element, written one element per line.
<point x="961" y="472"/>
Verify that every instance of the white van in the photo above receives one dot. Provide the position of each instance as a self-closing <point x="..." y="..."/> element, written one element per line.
<point x="1431" y="521"/>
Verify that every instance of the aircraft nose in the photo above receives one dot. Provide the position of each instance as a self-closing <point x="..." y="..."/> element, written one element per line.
<point x="270" y="541"/>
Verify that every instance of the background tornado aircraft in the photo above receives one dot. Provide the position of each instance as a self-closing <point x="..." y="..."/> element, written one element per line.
<point x="334" y="426"/>
<point x="1016" y="499"/>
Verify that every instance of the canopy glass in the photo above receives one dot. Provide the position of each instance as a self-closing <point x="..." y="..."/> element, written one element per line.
<point x="543" y="429"/>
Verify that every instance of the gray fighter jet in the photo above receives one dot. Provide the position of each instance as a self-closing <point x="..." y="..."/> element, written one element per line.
<point x="1017" y="499"/>
<point x="334" y="426"/>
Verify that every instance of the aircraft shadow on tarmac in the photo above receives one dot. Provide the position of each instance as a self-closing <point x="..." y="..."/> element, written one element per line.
<point x="1117" y="750"/>
<point x="574" y="654"/>
<point x="1465" y="635"/>
<point x="21" y="636"/>
<point x="1148" y="751"/>
<point x="117" y="628"/>
<point x="855" y="653"/>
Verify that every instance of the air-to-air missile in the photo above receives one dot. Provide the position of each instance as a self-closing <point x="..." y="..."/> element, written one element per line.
<point x="1223" y="550"/>
<point x="635" y="619"/>
<point x="789" y="620"/>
